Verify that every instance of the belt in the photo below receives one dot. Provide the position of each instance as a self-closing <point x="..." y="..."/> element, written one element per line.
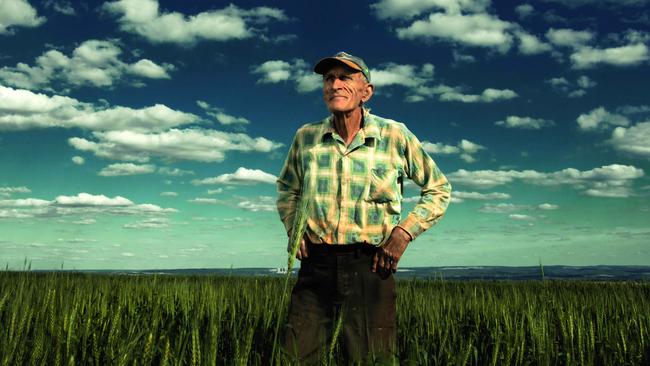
<point x="340" y="249"/>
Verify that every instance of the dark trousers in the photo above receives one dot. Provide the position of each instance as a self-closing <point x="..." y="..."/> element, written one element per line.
<point x="333" y="282"/>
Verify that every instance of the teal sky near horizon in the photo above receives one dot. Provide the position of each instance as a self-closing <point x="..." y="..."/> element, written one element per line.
<point x="148" y="134"/>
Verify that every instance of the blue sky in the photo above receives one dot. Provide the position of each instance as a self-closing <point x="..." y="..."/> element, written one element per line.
<point x="148" y="134"/>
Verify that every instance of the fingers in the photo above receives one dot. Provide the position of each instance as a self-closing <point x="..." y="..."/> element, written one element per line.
<point x="375" y="259"/>
<point x="303" y="249"/>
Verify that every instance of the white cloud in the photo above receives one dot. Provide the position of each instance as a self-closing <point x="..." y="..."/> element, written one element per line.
<point x="122" y="169"/>
<point x="261" y="203"/>
<point x="403" y="75"/>
<point x="190" y="144"/>
<point x="634" y="140"/>
<point x="78" y="160"/>
<point x="405" y="9"/>
<point x="525" y="123"/>
<point x="220" y="115"/>
<point x="150" y="223"/>
<point x="599" y="119"/>
<point x="460" y="196"/>
<point x="174" y="172"/>
<point x="215" y="191"/>
<point x="17" y="13"/>
<point x="613" y="177"/>
<point x="482" y="30"/>
<point x="205" y="201"/>
<point x="584" y="82"/>
<point x="488" y="95"/>
<point x="296" y="71"/>
<point x="144" y="18"/>
<point x="530" y="44"/>
<point x="84" y="204"/>
<point x="548" y="206"/>
<point x="240" y="176"/>
<point x="86" y="221"/>
<point x="501" y="208"/>
<point x="588" y="57"/>
<point x="7" y="191"/>
<point x="23" y="109"/>
<point x="573" y="90"/>
<point x="465" y="149"/>
<point x="569" y="37"/>
<point x="577" y="3"/>
<point x="630" y="109"/>
<point x="60" y="6"/>
<point x="94" y="63"/>
<point x="169" y="194"/>
<point x="524" y="10"/>
<point x="521" y="217"/>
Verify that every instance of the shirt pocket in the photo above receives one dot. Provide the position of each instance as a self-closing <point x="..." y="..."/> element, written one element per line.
<point x="384" y="186"/>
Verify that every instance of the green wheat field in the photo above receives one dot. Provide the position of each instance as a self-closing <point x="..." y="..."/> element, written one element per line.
<point x="64" y="318"/>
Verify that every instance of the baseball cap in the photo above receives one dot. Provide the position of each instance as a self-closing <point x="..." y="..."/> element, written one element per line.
<point x="354" y="62"/>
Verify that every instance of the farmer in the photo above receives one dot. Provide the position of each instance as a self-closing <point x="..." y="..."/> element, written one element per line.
<point x="349" y="170"/>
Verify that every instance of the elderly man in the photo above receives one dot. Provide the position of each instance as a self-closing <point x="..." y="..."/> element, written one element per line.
<point x="349" y="168"/>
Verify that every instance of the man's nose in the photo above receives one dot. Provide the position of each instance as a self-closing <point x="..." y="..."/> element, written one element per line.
<point x="337" y="84"/>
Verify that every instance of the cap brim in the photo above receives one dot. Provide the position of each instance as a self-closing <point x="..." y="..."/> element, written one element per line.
<point x="328" y="62"/>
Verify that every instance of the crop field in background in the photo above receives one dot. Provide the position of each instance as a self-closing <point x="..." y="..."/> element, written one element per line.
<point x="73" y="319"/>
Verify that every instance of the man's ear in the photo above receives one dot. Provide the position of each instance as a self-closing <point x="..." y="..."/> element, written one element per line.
<point x="367" y="92"/>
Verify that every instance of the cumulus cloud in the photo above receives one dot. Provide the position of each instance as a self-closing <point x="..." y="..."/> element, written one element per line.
<point x="572" y="90"/>
<point x="613" y="178"/>
<point x="297" y="72"/>
<point x="144" y="18"/>
<point x="501" y="208"/>
<point x="489" y="95"/>
<point x="600" y="119"/>
<point x="399" y="9"/>
<point x="83" y="204"/>
<point x="460" y="196"/>
<point x="17" y="13"/>
<point x="169" y="194"/>
<point x="528" y="123"/>
<point x="524" y="10"/>
<point x="629" y="55"/>
<point x="8" y="191"/>
<point x="240" y="176"/>
<point x="578" y="3"/>
<point x="521" y="217"/>
<point x="261" y="203"/>
<point x="60" y="6"/>
<point x="94" y="63"/>
<point x="122" y="169"/>
<point x="548" y="206"/>
<point x="193" y="144"/>
<point x="633" y="109"/>
<point x="530" y="44"/>
<point x="465" y="149"/>
<point x="569" y="38"/>
<point x="78" y="160"/>
<point x="23" y="109"/>
<point x="634" y="140"/>
<point x="150" y="223"/>
<point x="220" y="115"/>
<point x="481" y="30"/>
<point x="205" y="201"/>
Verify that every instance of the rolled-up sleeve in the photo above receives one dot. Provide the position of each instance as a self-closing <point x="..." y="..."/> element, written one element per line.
<point x="435" y="191"/>
<point x="289" y="185"/>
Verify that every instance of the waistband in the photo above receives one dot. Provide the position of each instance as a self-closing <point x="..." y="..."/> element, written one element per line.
<point x="325" y="250"/>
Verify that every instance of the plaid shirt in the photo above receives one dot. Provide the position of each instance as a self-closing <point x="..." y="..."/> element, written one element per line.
<point x="355" y="191"/>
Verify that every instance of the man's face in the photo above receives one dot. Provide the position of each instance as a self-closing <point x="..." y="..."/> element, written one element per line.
<point x="344" y="89"/>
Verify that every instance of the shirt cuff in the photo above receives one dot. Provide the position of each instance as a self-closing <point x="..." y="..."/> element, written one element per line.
<point x="412" y="226"/>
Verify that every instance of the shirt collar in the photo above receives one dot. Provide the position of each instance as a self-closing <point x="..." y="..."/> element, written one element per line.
<point x="369" y="129"/>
